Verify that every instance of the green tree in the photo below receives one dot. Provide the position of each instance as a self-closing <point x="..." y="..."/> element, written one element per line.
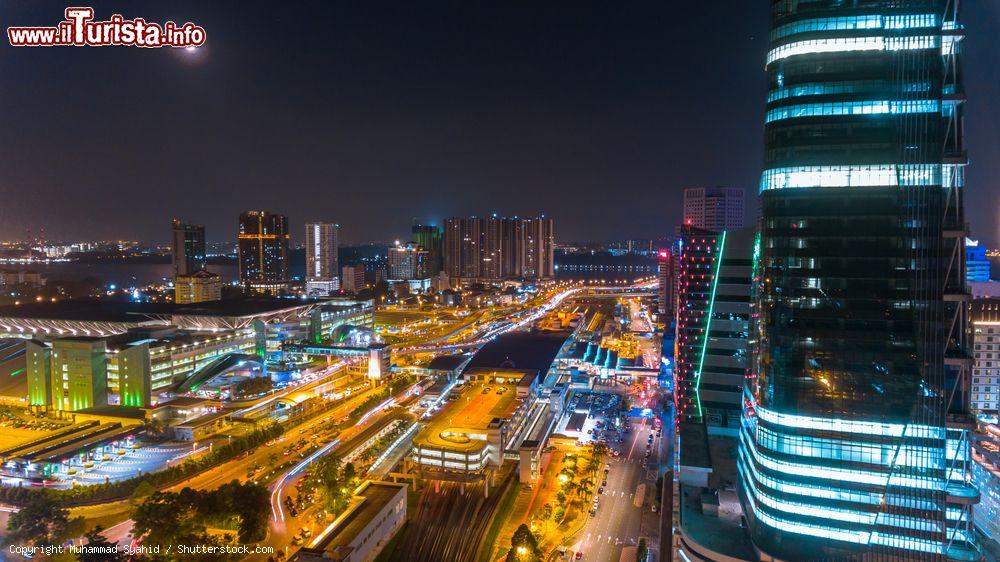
<point x="99" y="548"/>
<point x="40" y="522"/>
<point x="164" y="519"/>
<point x="524" y="546"/>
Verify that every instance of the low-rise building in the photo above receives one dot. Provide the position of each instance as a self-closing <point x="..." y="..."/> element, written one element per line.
<point x="200" y="286"/>
<point x="374" y="515"/>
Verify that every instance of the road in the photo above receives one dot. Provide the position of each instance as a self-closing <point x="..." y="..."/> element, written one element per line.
<point x="236" y="469"/>
<point x="618" y="522"/>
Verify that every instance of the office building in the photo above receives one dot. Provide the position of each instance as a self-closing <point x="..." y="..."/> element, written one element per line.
<point x="713" y="208"/>
<point x="187" y="248"/>
<point x="985" y="393"/>
<point x="321" y="258"/>
<point x="353" y="277"/>
<point x="854" y="442"/>
<point x="713" y="310"/>
<point x="430" y="238"/>
<point x="665" y="284"/>
<point x="200" y="286"/>
<point x="497" y="248"/>
<point x="408" y="262"/>
<point x="263" y="252"/>
<point x="977" y="265"/>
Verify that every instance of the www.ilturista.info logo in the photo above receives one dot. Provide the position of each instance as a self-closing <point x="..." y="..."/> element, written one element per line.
<point x="79" y="29"/>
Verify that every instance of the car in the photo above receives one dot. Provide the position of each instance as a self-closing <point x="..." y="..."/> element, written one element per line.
<point x="600" y="490"/>
<point x="654" y="508"/>
<point x="299" y="539"/>
<point x="605" y="483"/>
<point x="486" y="391"/>
<point x="579" y="556"/>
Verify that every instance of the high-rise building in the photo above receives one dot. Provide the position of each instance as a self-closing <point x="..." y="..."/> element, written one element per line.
<point x="497" y="248"/>
<point x="200" y="286"/>
<point x="430" y="238"/>
<point x="263" y="251"/>
<point x="408" y="262"/>
<point x="353" y="277"/>
<point x="322" y="243"/>
<point x="985" y="393"/>
<point x="665" y="284"/>
<point x="977" y="265"/>
<point x="713" y="208"/>
<point x="463" y="246"/>
<point x="854" y="442"/>
<point x="713" y="310"/>
<point x="537" y="245"/>
<point x="187" y="248"/>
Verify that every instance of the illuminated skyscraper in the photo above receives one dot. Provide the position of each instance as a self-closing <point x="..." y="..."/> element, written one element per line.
<point x="187" y="248"/>
<point x="713" y="208"/>
<point x="854" y="443"/>
<point x="263" y="249"/>
<point x="322" y="242"/>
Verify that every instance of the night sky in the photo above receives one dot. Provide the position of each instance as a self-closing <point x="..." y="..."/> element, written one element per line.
<point x="373" y="114"/>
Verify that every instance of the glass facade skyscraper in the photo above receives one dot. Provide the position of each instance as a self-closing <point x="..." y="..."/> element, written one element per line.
<point x="854" y="438"/>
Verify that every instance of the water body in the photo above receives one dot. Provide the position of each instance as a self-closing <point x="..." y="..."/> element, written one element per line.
<point x="121" y="274"/>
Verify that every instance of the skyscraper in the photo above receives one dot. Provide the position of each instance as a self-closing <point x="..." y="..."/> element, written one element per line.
<point x="407" y="262"/>
<point x="498" y="247"/>
<point x="263" y="251"/>
<point x="854" y="442"/>
<point x="429" y="237"/>
<point x="665" y="284"/>
<point x="713" y="309"/>
<point x="463" y="246"/>
<point x="713" y="208"/>
<point x="322" y="243"/>
<point x="187" y="248"/>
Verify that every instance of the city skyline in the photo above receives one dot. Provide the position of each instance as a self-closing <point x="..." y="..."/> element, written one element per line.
<point x="487" y="120"/>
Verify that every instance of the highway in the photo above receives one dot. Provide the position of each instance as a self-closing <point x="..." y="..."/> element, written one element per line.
<point x="235" y="469"/>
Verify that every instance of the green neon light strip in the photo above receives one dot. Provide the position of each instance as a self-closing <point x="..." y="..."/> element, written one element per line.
<point x="16" y="372"/>
<point x="708" y="324"/>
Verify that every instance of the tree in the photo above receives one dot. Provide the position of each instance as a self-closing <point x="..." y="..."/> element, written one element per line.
<point x="524" y="546"/>
<point x="164" y="519"/>
<point x="253" y="386"/>
<point x="99" y="548"/>
<point x="40" y="522"/>
<point x="642" y="551"/>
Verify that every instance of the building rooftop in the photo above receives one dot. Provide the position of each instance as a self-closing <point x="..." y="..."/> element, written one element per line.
<point x="369" y="500"/>
<point x="448" y="362"/>
<point x="520" y="350"/>
<point x="463" y="423"/>
<point x="85" y="310"/>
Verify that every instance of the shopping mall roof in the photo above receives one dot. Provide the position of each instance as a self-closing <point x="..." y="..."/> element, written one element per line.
<point x="106" y="317"/>
<point x="520" y="350"/>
